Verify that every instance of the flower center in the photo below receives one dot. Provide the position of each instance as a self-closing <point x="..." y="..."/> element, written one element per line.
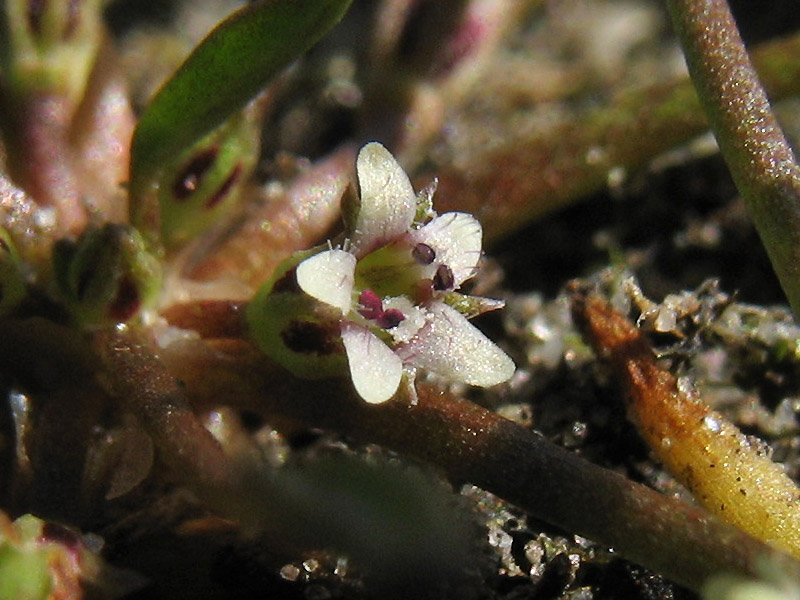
<point x="370" y="305"/>
<point x="371" y="308"/>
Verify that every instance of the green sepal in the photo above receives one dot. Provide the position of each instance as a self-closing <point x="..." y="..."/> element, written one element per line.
<point x="24" y="566"/>
<point x="425" y="210"/>
<point x="42" y="560"/>
<point x="12" y="281"/>
<point x="204" y="182"/>
<point x="107" y="276"/>
<point x="471" y="306"/>
<point x="294" y="329"/>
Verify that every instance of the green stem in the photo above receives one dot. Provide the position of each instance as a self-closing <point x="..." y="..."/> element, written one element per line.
<point x="762" y="163"/>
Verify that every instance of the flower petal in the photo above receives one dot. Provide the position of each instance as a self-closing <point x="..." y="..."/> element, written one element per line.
<point x="375" y="369"/>
<point x="450" y="346"/>
<point x="456" y="240"/>
<point x="388" y="202"/>
<point x="328" y="277"/>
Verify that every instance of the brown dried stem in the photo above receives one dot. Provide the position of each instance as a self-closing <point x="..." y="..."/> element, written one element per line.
<point x="471" y="444"/>
<point x="726" y="473"/>
<point x="135" y="375"/>
<point x="56" y="372"/>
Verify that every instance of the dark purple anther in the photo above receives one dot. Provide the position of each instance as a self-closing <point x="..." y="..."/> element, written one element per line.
<point x="423" y="254"/>
<point x="390" y="318"/>
<point x="370" y="304"/>
<point x="443" y="278"/>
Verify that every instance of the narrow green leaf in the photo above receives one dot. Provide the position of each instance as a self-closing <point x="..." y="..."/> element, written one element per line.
<point x="224" y="72"/>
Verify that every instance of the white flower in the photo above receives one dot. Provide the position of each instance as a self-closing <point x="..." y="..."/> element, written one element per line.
<point x="393" y="282"/>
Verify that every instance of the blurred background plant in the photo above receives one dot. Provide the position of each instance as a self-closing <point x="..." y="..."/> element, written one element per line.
<point x="196" y="468"/>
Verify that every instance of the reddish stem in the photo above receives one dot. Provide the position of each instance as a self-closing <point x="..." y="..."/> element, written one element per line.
<point x="471" y="444"/>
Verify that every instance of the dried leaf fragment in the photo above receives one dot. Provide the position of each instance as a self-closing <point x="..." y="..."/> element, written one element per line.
<point x="726" y="473"/>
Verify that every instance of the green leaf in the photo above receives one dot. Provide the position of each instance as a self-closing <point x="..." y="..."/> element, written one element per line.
<point x="224" y="72"/>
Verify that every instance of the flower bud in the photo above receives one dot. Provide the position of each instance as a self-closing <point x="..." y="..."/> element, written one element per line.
<point x="107" y="276"/>
<point x="49" y="46"/>
<point x="44" y="560"/>
<point x="202" y="185"/>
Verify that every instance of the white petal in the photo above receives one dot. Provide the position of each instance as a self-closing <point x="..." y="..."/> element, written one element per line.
<point x="375" y="369"/>
<point x="456" y="240"/>
<point x="328" y="277"/>
<point x="388" y="202"/>
<point x="450" y="346"/>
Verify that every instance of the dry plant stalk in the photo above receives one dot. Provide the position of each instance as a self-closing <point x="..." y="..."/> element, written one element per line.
<point x="729" y="475"/>
<point x="472" y="444"/>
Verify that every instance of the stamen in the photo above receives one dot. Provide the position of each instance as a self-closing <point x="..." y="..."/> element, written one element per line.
<point x="443" y="278"/>
<point x="423" y="254"/>
<point x="371" y="306"/>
